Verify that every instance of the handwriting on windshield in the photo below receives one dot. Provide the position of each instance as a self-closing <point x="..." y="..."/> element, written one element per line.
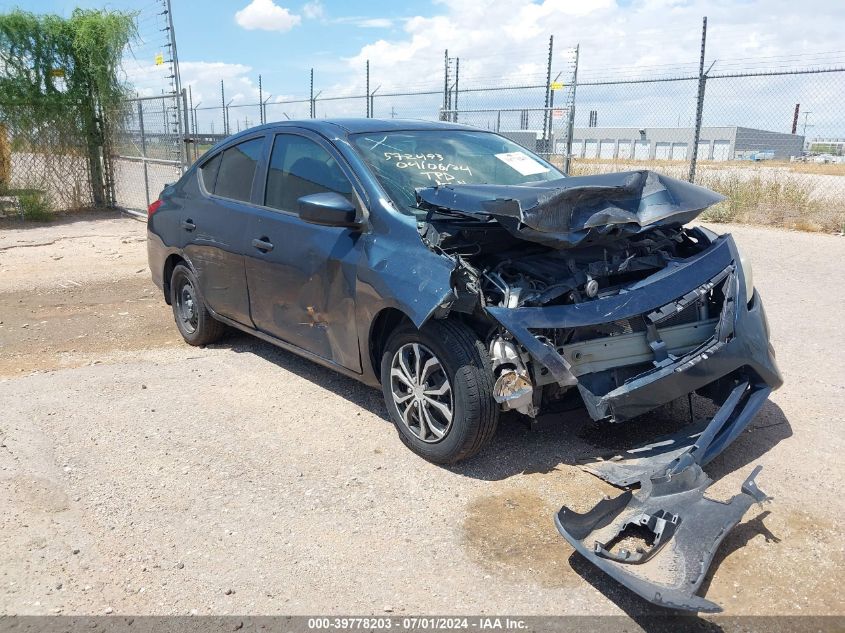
<point x="431" y="166"/>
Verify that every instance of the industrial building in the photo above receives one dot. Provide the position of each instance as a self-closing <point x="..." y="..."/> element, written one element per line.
<point x="675" y="143"/>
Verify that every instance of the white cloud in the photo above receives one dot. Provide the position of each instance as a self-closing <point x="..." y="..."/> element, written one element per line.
<point x="266" y="15"/>
<point x="375" y="23"/>
<point x="497" y="41"/>
<point x="366" y="23"/>
<point x="314" y="10"/>
<point x="204" y="79"/>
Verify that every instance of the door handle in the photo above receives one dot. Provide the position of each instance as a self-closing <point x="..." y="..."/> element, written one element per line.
<point x="263" y="245"/>
<point x="188" y="224"/>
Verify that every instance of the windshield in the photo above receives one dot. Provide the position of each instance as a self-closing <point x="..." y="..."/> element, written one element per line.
<point x="404" y="161"/>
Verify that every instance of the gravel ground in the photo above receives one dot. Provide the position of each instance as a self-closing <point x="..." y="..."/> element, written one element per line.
<point x="145" y="476"/>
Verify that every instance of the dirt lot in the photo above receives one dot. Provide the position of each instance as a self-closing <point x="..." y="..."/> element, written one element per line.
<point x="144" y="476"/>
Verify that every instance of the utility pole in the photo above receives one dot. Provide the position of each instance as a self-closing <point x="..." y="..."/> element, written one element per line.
<point x="795" y="118"/>
<point x="367" y="92"/>
<point x="699" y="106"/>
<point x="804" y="132"/>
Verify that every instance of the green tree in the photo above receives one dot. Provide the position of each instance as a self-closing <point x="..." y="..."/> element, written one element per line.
<point x="61" y="81"/>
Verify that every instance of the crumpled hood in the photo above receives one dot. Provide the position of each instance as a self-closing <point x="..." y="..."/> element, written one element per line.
<point x="579" y="210"/>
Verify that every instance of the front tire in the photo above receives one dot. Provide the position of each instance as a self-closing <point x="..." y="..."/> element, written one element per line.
<point x="438" y="388"/>
<point x="195" y="323"/>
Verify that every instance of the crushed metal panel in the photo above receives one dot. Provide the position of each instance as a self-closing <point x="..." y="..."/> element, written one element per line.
<point x="578" y="210"/>
<point x="685" y="529"/>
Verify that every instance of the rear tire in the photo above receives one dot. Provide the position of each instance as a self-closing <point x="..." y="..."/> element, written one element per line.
<point x="195" y="323"/>
<point x="414" y="367"/>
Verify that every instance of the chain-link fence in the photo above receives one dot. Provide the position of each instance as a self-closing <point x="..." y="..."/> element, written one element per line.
<point x="148" y="150"/>
<point x="750" y="142"/>
<point x="43" y="166"/>
<point x="769" y="133"/>
<point x="770" y="140"/>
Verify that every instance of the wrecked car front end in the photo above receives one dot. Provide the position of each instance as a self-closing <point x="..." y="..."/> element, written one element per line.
<point x="594" y="285"/>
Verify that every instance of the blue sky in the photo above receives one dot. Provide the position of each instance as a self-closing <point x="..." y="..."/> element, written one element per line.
<point x="208" y="31"/>
<point x="499" y="42"/>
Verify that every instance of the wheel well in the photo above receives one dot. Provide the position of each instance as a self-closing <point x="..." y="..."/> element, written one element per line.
<point x="385" y="322"/>
<point x="169" y="264"/>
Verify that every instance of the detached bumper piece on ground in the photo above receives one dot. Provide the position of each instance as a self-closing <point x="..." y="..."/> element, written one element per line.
<point x="684" y="529"/>
<point x="660" y="540"/>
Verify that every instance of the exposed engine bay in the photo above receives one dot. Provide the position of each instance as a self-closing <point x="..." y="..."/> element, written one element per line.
<point x="496" y="269"/>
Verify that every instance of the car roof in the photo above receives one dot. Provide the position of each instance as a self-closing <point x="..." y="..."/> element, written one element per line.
<point x="332" y="127"/>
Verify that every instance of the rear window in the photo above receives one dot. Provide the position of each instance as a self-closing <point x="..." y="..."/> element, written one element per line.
<point x="237" y="170"/>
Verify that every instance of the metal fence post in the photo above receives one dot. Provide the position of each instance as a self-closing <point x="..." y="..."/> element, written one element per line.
<point x="551" y="110"/>
<point x="223" y="108"/>
<point x="312" y="94"/>
<point x="445" y="84"/>
<point x="567" y="160"/>
<point x="144" y="150"/>
<point x="192" y="119"/>
<point x="186" y="130"/>
<point x="457" y="80"/>
<point x="548" y="90"/>
<point x="699" y="107"/>
<point x="260" y="102"/>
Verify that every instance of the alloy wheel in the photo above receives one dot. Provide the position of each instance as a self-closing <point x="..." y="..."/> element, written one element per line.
<point x="421" y="392"/>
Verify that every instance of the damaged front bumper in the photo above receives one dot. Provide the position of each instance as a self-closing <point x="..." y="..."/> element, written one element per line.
<point x="683" y="360"/>
<point x="725" y="355"/>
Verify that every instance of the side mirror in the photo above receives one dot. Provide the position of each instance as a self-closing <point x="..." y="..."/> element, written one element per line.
<point x="327" y="209"/>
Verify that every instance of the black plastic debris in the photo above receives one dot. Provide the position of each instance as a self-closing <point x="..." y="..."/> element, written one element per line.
<point x="660" y="540"/>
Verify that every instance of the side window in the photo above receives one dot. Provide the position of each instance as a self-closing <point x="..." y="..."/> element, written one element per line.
<point x="237" y="169"/>
<point x="209" y="172"/>
<point x="300" y="167"/>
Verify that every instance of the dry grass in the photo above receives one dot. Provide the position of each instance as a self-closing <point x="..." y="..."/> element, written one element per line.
<point x="682" y="166"/>
<point x="773" y="194"/>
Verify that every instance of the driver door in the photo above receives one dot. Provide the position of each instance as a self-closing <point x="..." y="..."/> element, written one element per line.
<point x="302" y="277"/>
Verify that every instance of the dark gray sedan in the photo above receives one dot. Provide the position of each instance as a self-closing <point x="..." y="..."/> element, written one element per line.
<point x="468" y="276"/>
<point x="463" y="274"/>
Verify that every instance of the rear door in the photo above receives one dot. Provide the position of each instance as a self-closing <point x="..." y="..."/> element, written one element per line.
<point x="302" y="277"/>
<point x="216" y="226"/>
